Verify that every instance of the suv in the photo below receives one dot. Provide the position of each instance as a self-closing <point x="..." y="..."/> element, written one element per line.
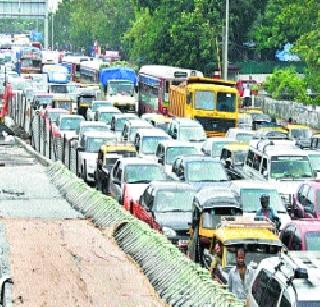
<point x="185" y="129"/>
<point x="306" y="201"/>
<point x="146" y="141"/>
<point x="107" y="157"/>
<point x="301" y="235"/>
<point x="118" y="121"/>
<point x="169" y="150"/>
<point x="200" y="172"/>
<point x="289" y="280"/>
<point x="278" y="161"/>
<point x="91" y="113"/>
<point x="131" y="126"/>
<point x="167" y="206"/>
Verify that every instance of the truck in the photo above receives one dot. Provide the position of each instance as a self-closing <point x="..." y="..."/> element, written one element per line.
<point x="119" y="87"/>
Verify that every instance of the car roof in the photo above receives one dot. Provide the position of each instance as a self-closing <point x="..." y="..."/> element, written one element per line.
<point x="170" y="185"/>
<point x="152" y="132"/>
<point x="93" y="124"/>
<point x="176" y="143"/>
<point x="124" y="115"/>
<point x="215" y="140"/>
<point x="100" y="134"/>
<point x="187" y="159"/>
<point x="108" y="109"/>
<point x="306" y="225"/>
<point x="71" y="116"/>
<point x="239" y="130"/>
<point x="138" y="123"/>
<point x="182" y="121"/>
<point x="252" y="184"/>
<point x="137" y="161"/>
<point x="211" y="193"/>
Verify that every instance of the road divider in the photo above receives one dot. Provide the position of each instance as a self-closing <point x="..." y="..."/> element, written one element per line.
<point x="178" y="280"/>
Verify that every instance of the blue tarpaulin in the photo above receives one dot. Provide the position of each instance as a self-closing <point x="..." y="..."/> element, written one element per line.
<point x="117" y="73"/>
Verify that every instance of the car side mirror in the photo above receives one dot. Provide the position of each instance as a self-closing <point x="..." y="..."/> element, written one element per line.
<point x="160" y="160"/>
<point x="181" y="177"/>
<point x="174" y="136"/>
<point x="116" y="181"/>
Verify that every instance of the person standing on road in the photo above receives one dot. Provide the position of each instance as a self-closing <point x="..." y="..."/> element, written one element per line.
<point x="240" y="277"/>
<point x="216" y="268"/>
<point x="246" y="96"/>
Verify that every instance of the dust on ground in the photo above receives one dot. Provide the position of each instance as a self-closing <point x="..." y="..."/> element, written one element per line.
<point x="72" y="263"/>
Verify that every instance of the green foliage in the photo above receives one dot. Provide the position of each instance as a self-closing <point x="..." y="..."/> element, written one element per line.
<point x="286" y="84"/>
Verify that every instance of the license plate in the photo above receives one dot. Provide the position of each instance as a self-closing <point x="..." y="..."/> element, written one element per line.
<point x="183" y="242"/>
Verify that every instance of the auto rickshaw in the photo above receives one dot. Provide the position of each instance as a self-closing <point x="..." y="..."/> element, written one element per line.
<point x="209" y="205"/>
<point x="301" y="133"/>
<point x="107" y="157"/>
<point x="233" y="157"/>
<point x="257" y="236"/>
<point x="64" y="102"/>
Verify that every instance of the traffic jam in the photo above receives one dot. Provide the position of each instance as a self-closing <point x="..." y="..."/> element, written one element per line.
<point x="234" y="189"/>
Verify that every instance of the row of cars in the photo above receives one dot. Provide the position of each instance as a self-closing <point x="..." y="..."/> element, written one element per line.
<point x="166" y="173"/>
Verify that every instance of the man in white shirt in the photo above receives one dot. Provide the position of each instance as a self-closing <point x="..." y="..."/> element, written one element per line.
<point x="246" y="96"/>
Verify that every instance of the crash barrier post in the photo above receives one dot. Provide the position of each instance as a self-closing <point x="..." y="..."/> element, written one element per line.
<point x="178" y="280"/>
<point x="73" y="155"/>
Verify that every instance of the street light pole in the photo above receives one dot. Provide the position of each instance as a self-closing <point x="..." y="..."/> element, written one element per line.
<point x="52" y="30"/>
<point x="225" y="64"/>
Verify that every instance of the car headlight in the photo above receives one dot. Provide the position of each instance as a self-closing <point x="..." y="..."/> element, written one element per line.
<point x="169" y="232"/>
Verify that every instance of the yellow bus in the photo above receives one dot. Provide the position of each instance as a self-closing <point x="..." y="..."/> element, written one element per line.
<point x="212" y="102"/>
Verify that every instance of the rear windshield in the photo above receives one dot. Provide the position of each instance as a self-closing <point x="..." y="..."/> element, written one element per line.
<point x="312" y="240"/>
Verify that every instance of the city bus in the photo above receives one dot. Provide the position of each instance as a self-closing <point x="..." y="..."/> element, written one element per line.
<point x="154" y="84"/>
<point x="214" y="103"/>
<point x="89" y="71"/>
<point x="73" y="65"/>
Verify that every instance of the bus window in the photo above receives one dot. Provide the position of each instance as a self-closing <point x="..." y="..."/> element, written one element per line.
<point x="226" y="102"/>
<point x="204" y="100"/>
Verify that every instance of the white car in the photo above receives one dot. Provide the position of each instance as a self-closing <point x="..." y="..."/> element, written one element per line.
<point x="88" y="154"/>
<point x="91" y="113"/>
<point x="131" y="126"/>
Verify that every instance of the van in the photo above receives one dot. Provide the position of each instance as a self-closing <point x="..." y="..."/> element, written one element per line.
<point x="278" y="161"/>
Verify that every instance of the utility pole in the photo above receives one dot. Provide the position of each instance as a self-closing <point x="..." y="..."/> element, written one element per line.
<point x="226" y="39"/>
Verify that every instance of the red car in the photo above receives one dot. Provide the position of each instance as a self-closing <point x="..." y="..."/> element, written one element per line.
<point x="306" y="203"/>
<point x="302" y="235"/>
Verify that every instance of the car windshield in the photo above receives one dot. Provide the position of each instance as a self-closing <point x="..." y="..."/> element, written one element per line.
<point x="212" y="217"/>
<point x="244" y="137"/>
<point x="133" y="131"/>
<point x="97" y="105"/>
<point x="174" y="200"/>
<point x="290" y="167"/>
<point x="150" y="144"/>
<point x="312" y="240"/>
<point x="120" y="123"/>
<point x="93" y="144"/>
<point x="250" y="199"/>
<point x="315" y="161"/>
<point x="205" y="171"/>
<point x="121" y="88"/>
<point x="217" y="148"/>
<point x="59" y="89"/>
<point x="240" y="156"/>
<point x="143" y="173"/>
<point x="101" y="128"/>
<point x="174" y="152"/>
<point x="254" y="252"/>
<point x="192" y="133"/>
<point x="106" y="116"/>
<point x="70" y="123"/>
<point x="53" y="116"/>
<point x="44" y="100"/>
<point x="300" y="133"/>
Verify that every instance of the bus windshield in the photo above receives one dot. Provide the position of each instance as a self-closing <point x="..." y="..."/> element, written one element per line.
<point x="119" y="87"/>
<point x="226" y="102"/>
<point x="290" y="167"/>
